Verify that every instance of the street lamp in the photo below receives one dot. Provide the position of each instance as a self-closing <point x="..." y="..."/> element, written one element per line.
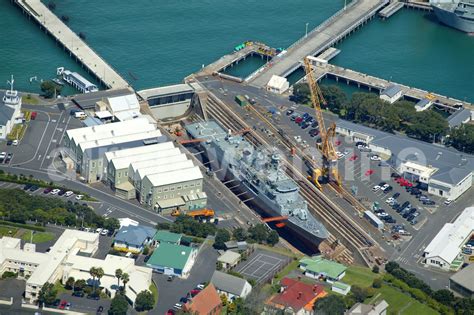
<point x="306" y="34"/>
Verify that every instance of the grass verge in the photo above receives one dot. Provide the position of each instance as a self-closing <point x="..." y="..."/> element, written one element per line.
<point x="38" y="237"/>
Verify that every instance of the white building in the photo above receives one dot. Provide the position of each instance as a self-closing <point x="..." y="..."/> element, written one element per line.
<point x="231" y="286"/>
<point x="391" y="94"/>
<point x="124" y="107"/>
<point x="79" y="82"/>
<point x="446" y="246"/>
<point x="278" y="84"/>
<point x="9" y="110"/>
<point x="415" y="171"/>
<point x="63" y="261"/>
<point x="451" y="184"/>
<point x="229" y="259"/>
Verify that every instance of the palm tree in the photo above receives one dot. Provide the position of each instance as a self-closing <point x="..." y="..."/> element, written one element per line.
<point x="118" y="275"/>
<point x="93" y="273"/>
<point x="99" y="274"/>
<point x="125" y="279"/>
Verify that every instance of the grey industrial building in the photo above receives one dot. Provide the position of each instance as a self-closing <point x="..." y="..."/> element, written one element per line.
<point x="462" y="282"/>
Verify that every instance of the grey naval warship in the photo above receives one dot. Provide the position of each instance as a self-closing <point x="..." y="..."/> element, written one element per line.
<point x="259" y="171"/>
<point x="458" y="14"/>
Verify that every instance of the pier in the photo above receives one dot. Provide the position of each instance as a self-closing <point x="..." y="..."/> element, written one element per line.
<point x="87" y="57"/>
<point x="373" y="83"/>
<point x="334" y="29"/>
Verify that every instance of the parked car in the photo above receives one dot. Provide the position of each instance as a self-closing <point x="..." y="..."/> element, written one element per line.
<point x="289" y="112"/>
<point x="55" y="191"/>
<point x="79" y="197"/>
<point x="170" y="312"/>
<point x="15" y="142"/>
<point x="100" y="309"/>
<point x="34" y="187"/>
<point x="396" y="195"/>
<point x="3" y="155"/>
<point x="448" y="202"/>
<point x="428" y="202"/>
<point x="200" y="286"/>
<point x="9" y="142"/>
<point x="68" y="193"/>
<point x="353" y="157"/>
<point x="298" y="120"/>
<point x="369" y="172"/>
<point x="61" y="192"/>
<point x="104" y="232"/>
<point x="78" y="293"/>
<point x="93" y="296"/>
<point x="375" y="158"/>
<point x="62" y="305"/>
<point x="47" y="190"/>
<point x="178" y="306"/>
<point x="27" y="187"/>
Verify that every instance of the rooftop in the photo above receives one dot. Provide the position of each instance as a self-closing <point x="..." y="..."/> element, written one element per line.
<point x="447" y="243"/>
<point x="134" y="235"/>
<point x="165" y="90"/>
<point x="6" y="114"/>
<point x="139" y="150"/>
<point x="205" y="302"/>
<point x="125" y="161"/>
<point x="317" y="264"/>
<point x="123" y="103"/>
<point x="173" y="165"/>
<point x="142" y="135"/>
<point x="465" y="277"/>
<point x="459" y="117"/>
<point x="182" y="175"/>
<point x="229" y="257"/>
<point x="170" y="255"/>
<point x="391" y="90"/>
<point x="228" y="283"/>
<point x="88" y="100"/>
<point x="277" y="82"/>
<point x="168" y="237"/>
<point x="297" y="295"/>
<point x="140" y="169"/>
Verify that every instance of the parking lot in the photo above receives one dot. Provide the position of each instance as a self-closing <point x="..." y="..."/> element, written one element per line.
<point x="83" y="304"/>
<point x="262" y="265"/>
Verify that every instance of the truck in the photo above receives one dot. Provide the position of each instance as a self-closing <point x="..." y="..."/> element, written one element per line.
<point x="373" y="219"/>
<point x="196" y="214"/>
<point x="241" y="100"/>
<point x="80" y="115"/>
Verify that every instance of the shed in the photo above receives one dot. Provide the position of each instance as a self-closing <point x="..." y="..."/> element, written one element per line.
<point x="229" y="259"/>
<point x="168" y="237"/>
<point x="316" y="267"/>
<point x="391" y="94"/>
<point x="340" y="288"/>
<point x="278" y="84"/>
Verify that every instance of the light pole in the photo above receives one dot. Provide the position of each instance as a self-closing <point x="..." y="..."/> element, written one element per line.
<point x="306" y="34"/>
<point x="345" y="4"/>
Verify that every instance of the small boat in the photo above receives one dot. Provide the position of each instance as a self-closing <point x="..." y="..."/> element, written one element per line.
<point x="58" y="81"/>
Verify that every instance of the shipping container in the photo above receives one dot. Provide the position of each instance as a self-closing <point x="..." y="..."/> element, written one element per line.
<point x="373" y="219"/>
<point x="241" y="100"/>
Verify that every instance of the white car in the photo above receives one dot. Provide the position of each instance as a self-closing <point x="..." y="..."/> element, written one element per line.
<point x="346" y="152"/>
<point x="68" y="193"/>
<point x="3" y="155"/>
<point x="200" y="286"/>
<point x="79" y="197"/>
<point x="104" y="232"/>
<point x="376" y="188"/>
<point x="15" y="142"/>
<point x="390" y="200"/>
<point x="178" y="306"/>
<point x="55" y="191"/>
<point x="448" y="202"/>
<point x="98" y="230"/>
<point x="375" y="158"/>
<point x="298" y="139"/>
<point x="384" y="187"/>
<point x="339" y="155"/>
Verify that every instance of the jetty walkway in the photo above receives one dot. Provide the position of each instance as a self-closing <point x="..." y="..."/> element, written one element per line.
<point x="88" y="58"/>
<point x="341" y="24"/>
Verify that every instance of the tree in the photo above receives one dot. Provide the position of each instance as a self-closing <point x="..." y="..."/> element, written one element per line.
<point x="222" y="236"/>
<point x="163" y="226"/>
<point x="224" y="299"/>
<point x="390" y="266"/>
<point x="335" y="97"/>
<point x="125" y="279"/>
<point x="69" y="283"/>
<point x="99" y="274"/>
<point x="301" y="93"/>
<point x="47" y="294"/>
<point x="50" y="89"/>
<point x="239" y="234"/>
<point x="330" y="305"/>
<point x="118" y="275"/>
<point x="444" y="296"/>
<point x="79" y="285"/>
<point x="462" y="138"/>
<point x="93" y="273"/>
<point x="359" y="293"/>
<point x="375" y="269"/>
<point x="273" y="238"/>
<point x="145" y="301"/>
<point x="119" y="305"/>
<point x="112" y="224"/>
<point x="259" y="233"/>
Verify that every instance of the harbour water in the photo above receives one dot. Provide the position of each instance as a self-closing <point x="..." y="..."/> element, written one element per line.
<point x="153" y="44"/>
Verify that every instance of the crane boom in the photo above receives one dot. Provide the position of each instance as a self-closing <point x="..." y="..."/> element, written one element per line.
<point x="316" y="97"/>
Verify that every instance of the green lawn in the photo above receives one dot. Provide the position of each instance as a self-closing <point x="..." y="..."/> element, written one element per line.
<point x="360" y="276"/>
<point x="29" y="99"/>
<point x="38" y="237"/>
<point x="292" y="266"/>
<point x="4" y="230"/>
<point x="153" y="289"/>
<point x="400" y="302"/>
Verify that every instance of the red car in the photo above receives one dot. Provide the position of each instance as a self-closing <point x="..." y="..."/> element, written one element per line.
<point x="33" y="115"/>
<point x="369" y="172"/>
<point x="194" y="292"/>
<point x="353" y="158"/>
<point x="338" y="142"/>
<point x="170" y="312"/>
<point x="298" y="120"/>
<point x="62" y="305"/>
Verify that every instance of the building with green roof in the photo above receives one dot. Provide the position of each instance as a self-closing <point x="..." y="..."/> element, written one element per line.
<point x="318" y="267"/>
<point x="168" y="237"/>
<point x="172" y="259"/>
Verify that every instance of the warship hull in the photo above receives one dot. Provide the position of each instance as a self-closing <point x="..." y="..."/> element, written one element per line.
<point x="449" y="18"/>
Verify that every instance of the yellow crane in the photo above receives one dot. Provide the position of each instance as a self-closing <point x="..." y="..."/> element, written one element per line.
<point x="328" y="170"/>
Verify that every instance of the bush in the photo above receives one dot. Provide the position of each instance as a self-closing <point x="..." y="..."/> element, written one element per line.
<point x="9" y="274"/>
<point x="146" y="250"/>
<point x="375" y="269"/>
<point x="377" y="283"/>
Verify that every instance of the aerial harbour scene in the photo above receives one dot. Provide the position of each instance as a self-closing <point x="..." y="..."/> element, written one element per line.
<point x="237" y="157"/>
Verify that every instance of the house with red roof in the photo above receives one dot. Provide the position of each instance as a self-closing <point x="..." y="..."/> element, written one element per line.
<point x="206" y="302"/>
<point x="295" y="297"/>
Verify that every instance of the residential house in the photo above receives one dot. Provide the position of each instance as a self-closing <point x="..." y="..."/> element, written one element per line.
<point x="229" y="259"/>
<point x="173" y="260"/>
<point x="317" y="267"/>
<point x="379" y="308"/>
<point x="133" y="239"/>
<point x="341" y="288"/>
<point x="168" y="237"/>
<point x="206" y="302"/>
<point x="295" y="297"/>
<point x="231" y="286"/>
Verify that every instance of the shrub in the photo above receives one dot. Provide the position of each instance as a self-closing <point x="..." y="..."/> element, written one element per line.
<point x="377" y="283"/>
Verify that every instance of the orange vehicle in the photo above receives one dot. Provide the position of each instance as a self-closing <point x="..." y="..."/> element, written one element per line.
<point x="204" y="213"/>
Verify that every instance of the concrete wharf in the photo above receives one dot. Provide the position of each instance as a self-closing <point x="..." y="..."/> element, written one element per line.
<point x="370" y="82"/>
<point x="391" y="9"/>
<point x="87" y="57"/>
<point x="334" y="29"/>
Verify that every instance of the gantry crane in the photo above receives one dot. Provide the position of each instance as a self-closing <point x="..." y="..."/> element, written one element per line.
<point x="328" y="170"/>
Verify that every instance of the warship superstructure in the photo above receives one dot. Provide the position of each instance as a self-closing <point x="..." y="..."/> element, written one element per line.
<point x="259" y="170"/>
<point x="458" y="14"/>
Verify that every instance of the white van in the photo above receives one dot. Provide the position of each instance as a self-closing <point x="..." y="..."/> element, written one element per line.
<point x="80" y="115"/>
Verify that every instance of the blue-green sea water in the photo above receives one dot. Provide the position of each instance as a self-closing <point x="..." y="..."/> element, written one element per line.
<point x="154" y="43"/>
